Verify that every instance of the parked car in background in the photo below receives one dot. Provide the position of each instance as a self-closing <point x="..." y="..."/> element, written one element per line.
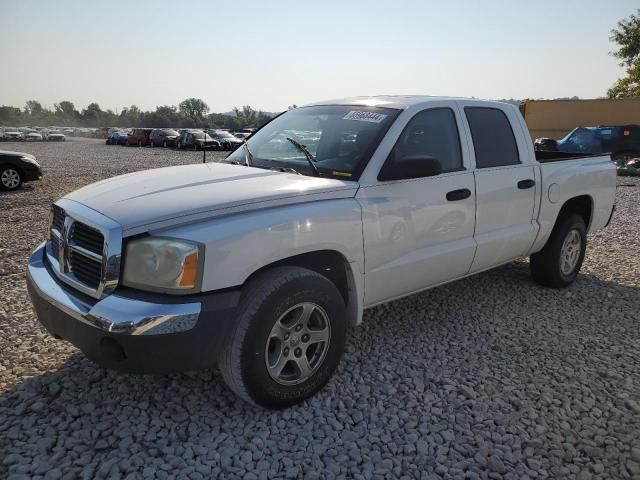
<point x="139" y="137"/>
<point x="31" y="136"/>
<point x="197" y="140"/>
<point x="69" y="131"/>
<point x="185" y="268"/>
<point x="117" y="137"/>
<point x="54" y="136"/>
<point x="226" y="140"/>
<point x="163" y="137"/>
<point x="12" y="134"/>
<point x="17" y="168"/>
<point x="621" y="141"/>
<point x="241" y="135"/>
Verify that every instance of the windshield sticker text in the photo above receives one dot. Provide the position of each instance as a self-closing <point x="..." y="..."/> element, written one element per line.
<point x="365" y="116"/>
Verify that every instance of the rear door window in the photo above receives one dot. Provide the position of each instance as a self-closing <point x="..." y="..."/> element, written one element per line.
<point x="493" y="139"/>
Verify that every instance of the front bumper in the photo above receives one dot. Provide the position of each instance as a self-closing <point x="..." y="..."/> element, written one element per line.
<point x="32" y="173"/>
<point x="133" y="331"/>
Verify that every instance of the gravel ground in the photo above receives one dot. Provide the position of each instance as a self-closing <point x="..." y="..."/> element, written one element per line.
<point x="490" y="377"/>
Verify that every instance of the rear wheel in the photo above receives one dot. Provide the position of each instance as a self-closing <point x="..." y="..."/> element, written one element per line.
<point x="287" y="339"/>
<point x="558" y="263"/>
<point x="10" y="178"/>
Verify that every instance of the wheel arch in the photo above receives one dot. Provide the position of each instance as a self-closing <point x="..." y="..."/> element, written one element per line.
<point x="334" y="266"/>
<point x="581" y="205"/>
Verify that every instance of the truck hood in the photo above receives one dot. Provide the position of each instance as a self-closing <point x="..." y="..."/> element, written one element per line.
<point x="163" y="197"/>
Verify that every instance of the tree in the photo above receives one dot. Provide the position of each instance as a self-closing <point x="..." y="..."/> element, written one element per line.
<point x="193" y="108"/>
<point x="627" y="36"/>
<point x="33" y="108"/>
<point x="66" y="108"/>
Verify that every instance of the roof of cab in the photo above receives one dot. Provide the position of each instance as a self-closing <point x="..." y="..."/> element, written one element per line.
<point x="389" y="101"/>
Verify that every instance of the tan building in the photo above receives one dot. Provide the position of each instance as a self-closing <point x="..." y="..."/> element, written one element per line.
<point x="555" y="118"/>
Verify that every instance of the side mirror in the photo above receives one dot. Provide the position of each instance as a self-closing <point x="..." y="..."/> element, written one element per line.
<point x="411" y="166"/>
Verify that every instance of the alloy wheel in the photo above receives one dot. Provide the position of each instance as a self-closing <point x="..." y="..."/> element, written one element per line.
<point x="298" y="342"/>
<point x="10" y="178"/>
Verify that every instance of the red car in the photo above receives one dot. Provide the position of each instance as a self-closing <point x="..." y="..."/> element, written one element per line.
<point x="139" y="137"/>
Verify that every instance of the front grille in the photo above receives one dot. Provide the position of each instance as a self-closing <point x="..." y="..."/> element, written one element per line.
<point x="79" y="251"/>
<point x="87" y="270"/>
<point x="86" y="237"/>
<point x="58" y="218"/>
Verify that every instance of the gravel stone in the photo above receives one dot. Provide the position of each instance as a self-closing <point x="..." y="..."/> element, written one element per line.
<point x="489" y="377"/>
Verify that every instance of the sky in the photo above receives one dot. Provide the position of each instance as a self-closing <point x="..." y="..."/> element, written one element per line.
<point x="272" y="54"/>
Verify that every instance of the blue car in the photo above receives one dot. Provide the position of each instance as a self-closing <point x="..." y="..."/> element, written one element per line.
<point x="622" y="142"/>
<point x="117" y="137"/>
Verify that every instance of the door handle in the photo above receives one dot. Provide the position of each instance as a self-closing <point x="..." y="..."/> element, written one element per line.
<point x="528" y="183"/>
<point x="461" y="194"/>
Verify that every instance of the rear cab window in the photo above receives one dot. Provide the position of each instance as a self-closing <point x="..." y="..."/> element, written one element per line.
<point x="493" y="139"/>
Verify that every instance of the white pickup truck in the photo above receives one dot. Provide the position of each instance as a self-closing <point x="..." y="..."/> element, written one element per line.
<point x="260" y="262"/>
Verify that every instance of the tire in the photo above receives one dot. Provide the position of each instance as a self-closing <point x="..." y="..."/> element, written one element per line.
<point x="270" y="298"/>
<point x="10" y="178"/>
<point x="558" y="263"/>
<point x="164" y="144"/>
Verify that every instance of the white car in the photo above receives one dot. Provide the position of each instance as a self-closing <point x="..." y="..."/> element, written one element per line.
<point x="259" y="263"/>
<point x="31" y="136"/>
<point x="54" y="136"/>
<point x="12" y="135"/>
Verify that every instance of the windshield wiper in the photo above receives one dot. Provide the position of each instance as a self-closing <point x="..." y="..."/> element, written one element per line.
<point x="310" y="158"/>
<point x="248" y="156"/>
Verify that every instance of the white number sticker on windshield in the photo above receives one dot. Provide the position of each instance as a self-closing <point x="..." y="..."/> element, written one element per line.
<point x="365" y="116"/>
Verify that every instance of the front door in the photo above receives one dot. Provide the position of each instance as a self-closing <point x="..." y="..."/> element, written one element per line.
<point x="419" y="232"/>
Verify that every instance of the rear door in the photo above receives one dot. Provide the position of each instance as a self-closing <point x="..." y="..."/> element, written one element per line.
<point x="419" y="232"/>
<point x="505" y="186"/>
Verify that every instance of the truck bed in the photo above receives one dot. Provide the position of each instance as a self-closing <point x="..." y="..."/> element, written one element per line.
<point x="547" y="157"/>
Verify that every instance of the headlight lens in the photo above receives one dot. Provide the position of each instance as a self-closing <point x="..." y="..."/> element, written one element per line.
<point x="31" y="160"/>
<point x="162" y="264"/>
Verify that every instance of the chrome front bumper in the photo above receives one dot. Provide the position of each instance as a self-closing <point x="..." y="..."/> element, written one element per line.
<point x="114" y="314"/>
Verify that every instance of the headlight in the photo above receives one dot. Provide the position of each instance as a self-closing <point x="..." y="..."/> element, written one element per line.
<point x="31" y="160"/>
<point x="162" y="265"/>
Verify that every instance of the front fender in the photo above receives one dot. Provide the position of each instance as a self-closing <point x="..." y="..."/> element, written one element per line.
<point x="240" y="244"/>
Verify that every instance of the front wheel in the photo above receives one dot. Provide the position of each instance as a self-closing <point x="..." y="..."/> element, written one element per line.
<point x="287" y="339"/>
<point x="10" y="178"/>
<point x="558" y="263"/>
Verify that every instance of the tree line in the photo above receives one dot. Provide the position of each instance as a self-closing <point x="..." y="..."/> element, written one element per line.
<point x="190" y="113"/>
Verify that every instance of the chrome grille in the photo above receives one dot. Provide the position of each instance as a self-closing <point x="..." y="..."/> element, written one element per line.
<point x="86" y="237"/>
<point x="85" y="248"/>
<point x="87" y="270"/>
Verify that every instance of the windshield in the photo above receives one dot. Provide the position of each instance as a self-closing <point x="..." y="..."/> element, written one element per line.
<point x="341" y="139"/>
<point x="223" y="134"/>
<point x="201" y="136"/>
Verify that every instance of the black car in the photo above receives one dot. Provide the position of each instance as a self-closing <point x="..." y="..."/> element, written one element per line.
<point x="227" y="141"/>
<point x="16" y="168"/>
<point x="197" y="140"/>
<point x="163" y="137"/>
<point x="621" y="141"/>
